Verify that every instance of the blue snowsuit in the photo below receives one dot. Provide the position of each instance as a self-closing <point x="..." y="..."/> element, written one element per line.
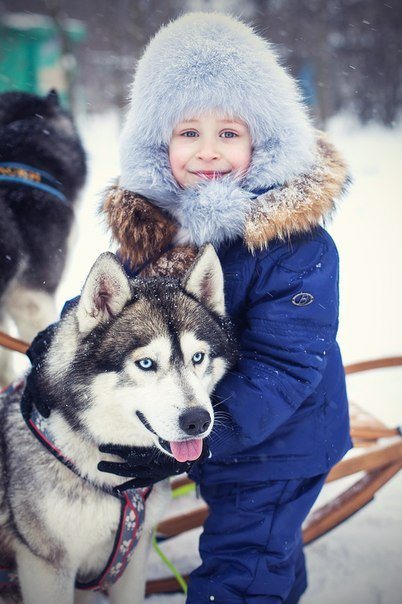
<point x="287" y="422"/>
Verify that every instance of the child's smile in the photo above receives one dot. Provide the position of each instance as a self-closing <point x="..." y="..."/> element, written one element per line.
<point x="209" y="147"/>
<point x="210" y="174"/>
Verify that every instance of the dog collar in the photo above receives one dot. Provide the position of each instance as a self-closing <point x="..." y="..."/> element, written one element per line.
<point x="32" y="177"/>
<point x="132" y="512"/>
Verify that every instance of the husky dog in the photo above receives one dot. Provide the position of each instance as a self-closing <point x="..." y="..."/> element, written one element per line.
<point x="42" y="168"/>
<point x="134" y="363"/>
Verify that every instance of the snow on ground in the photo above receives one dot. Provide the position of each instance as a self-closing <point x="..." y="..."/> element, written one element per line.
<point x="360" y="560"/>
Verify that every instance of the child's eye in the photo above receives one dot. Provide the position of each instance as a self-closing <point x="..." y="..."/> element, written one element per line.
<point x="228" y="134"/>
<point x="190" y="133"/>
<point x="146" y="364"/>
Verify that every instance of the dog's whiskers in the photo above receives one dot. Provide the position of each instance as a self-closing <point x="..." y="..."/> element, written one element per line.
<point x="220" y="402"/>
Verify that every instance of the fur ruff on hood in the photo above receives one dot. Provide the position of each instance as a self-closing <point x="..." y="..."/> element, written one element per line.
<point x="143" y="231"/>
<point x="210" y="62"/>
<point x="203" y="63"/>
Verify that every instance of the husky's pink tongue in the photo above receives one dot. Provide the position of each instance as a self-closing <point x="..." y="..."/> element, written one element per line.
<point x="186" y="450"/>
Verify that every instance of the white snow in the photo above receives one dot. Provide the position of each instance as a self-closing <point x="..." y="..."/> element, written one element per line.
<point x="360" y="560"/>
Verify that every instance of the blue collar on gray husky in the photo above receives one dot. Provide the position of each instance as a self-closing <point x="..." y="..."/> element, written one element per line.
<point x="131" y="516"/>
<point x="27" y="175"/>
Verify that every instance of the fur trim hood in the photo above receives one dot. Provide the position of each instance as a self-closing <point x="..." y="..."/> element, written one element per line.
<point x="211" y="62"/>
<point x="142" y="230"/>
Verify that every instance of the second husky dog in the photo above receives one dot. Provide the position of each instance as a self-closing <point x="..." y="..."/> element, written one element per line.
<point x="42" y="170"/>
<point x="134" y="363"/>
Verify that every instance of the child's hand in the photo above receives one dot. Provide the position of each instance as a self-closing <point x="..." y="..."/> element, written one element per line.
<point x="147" y="465"/>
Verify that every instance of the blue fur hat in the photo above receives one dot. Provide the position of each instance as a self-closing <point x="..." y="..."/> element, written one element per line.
<point x="212" y="62"/>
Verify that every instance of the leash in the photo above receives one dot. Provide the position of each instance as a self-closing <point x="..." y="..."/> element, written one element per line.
<point x="176" y="493"/>
<point x="22" y="174"/>
<point x="179" y="577"/>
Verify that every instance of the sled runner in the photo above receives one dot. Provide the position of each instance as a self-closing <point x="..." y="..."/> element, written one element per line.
<point x="376" y="458"/>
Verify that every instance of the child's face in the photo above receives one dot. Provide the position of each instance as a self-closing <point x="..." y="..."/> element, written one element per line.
<point x="209" y="147"/>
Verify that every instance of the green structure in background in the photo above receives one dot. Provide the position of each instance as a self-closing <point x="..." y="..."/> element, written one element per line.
<point x="34" y="53"/>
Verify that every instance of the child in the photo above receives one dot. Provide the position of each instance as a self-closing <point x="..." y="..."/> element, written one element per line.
<point x="218" y="147"/>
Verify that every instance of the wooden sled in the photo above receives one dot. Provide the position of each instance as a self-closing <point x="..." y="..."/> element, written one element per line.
<point x="13" y="343"/>
<point x="378" y="459"/>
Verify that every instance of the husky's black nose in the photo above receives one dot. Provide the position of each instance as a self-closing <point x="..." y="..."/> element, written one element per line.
<point x="195" y="421"/>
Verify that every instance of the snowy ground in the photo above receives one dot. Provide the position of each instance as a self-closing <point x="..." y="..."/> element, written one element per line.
<point x="360" y="560"/>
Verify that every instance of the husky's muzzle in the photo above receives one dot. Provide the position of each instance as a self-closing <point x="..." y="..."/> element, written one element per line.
<point x="194" y="423"/>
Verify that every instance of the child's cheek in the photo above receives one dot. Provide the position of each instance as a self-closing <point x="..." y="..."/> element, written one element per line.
<point x="242" y="158"/>
<point x="178" y="155"/>
<point x="178" y="158"/>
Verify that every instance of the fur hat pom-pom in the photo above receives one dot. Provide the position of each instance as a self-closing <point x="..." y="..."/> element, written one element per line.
<point x="214" y="211"/>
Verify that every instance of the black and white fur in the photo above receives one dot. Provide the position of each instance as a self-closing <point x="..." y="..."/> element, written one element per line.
<point x="34" y="225"/>
<point x="56" y="525"/>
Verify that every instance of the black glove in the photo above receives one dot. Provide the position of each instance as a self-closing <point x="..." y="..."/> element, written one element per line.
<point x="146" y="465"/>
<point x="33" y="395"/>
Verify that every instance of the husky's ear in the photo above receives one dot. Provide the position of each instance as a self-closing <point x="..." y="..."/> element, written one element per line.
<point x="204" y="280"/>
<point x="53" y="97"/>
<point x="105" y="293"/>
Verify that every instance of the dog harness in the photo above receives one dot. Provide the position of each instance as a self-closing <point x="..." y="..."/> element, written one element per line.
<point x="131" y="516"/>
<point x="32" y="177"/>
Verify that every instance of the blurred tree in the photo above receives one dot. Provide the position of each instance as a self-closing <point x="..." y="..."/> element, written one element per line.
<point x="352" y="47"/>
<point x="371" y="58"/>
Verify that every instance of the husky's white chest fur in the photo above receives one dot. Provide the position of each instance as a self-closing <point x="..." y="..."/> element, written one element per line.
<point x="86" y="527"/>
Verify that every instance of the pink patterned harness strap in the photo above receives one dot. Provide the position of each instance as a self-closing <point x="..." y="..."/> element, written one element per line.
<point x="127" y="537"/>
<point x="131" y="516"/>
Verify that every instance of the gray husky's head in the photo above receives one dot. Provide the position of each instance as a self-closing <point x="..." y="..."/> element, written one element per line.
<point x="136" y="361"/>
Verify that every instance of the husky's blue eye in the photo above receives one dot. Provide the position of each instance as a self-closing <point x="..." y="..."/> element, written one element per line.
<point x="198" y="357"/>
<point x="146" y="364"/>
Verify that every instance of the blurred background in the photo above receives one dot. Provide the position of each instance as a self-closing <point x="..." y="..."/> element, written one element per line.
<point x="345" y="53"/>
<point x="347" y="57"/>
